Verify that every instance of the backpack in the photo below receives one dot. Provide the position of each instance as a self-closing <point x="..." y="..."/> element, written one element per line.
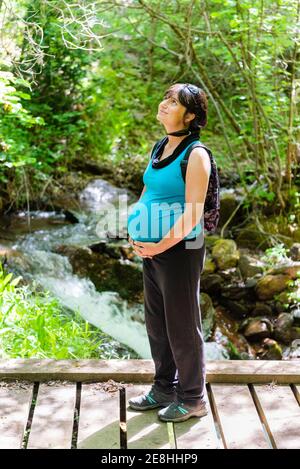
<point x="212" y="200"/>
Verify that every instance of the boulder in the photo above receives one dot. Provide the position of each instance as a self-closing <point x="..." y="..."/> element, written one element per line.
<point x="270" y="350"/>
<point x="283" y="328"/>
<point x="291" y="270"/>
<point x="296" y="316"/>
<point x="270" y="285"/>
<point x="262" y="309"/>
<point x="295" y="252"/>
<point x="257" y="329"/>
<point x="249" y="266"/>
<point x="214" y="351"/>
<point x="226" y="333"/>
<point x="211" y="283"/>
<point x="225" y="253"/>
<point x="293" y="351"/>
<point x="237" y="291"/>
<point x="14" y="259"/>
<point x="207" y="315"/>
<point x="237" y="309"/>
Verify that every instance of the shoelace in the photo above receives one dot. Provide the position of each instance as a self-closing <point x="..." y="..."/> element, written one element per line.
<point x="182" y="409"/>
<point x="150" y="397"/>
<point x="179" y="407"/>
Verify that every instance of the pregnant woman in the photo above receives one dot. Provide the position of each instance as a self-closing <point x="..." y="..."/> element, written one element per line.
<point x="165" y="228"/>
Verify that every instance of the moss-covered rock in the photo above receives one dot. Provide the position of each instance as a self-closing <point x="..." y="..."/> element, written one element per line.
<point x="270" y="285"/>
<point x="209" y="266"/>
<point x="270" y="350"/>
<point x="207" y="315"/>
<point x="225" y="253"/>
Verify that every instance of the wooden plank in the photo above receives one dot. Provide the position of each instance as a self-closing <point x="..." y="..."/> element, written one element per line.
<point x="253" y="371"/>
<point x="197" y="432"/>
<point x="88" y="370"/>
<point x="145" y="429"/>
<point x="15" y="402"/>
<point x="99" y="421"/>
<point x="282" y="413"/>
<point x="52" y="423"/>
<point x="240" y="422"/>
<point x="130" y="371"/>
<point x="98" y="418"/>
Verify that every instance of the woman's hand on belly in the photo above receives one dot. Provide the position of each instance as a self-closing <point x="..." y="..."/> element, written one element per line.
<point x="145" y="249"/>
<point x="133" y="244"/>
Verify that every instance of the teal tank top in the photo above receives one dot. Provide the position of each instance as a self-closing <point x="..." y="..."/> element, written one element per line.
<point x="162" y="203"/>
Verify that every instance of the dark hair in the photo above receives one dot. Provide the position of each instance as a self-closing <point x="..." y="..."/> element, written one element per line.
<point x="194" y="99"/>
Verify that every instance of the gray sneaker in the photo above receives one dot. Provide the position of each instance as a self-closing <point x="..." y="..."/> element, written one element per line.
<point x="151" y="400"/>
<point x="179" y="412"/>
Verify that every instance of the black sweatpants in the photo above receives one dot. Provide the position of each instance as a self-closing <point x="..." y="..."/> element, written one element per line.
<point x="173" y="320"/>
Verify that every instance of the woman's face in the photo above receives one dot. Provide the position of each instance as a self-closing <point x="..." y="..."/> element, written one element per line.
<point x="171" y="111"/>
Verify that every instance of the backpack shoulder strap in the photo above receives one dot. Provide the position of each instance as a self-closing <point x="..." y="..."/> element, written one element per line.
<point x="184" y="161"/>
<point x="195" y="145"/>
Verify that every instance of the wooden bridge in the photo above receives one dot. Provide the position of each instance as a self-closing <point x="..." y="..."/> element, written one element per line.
<point x="81" y="404"/>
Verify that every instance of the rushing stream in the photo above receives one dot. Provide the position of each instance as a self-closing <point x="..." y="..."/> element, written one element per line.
<point x="48" y="230"/>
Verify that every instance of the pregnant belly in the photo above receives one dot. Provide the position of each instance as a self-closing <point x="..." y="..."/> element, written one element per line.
<point x="152" y="221"/>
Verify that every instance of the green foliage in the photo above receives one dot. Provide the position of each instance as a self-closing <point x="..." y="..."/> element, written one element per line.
<point x="102" y="103"/>
<point x="10" y="100"/>
<point x="120" y="107"/>
<point x="41" y="124"/>
<point x="294" y="293"/>
<point x="57" y="93"/>
<point x="16" y="122"/>
<point x="234" y="354"/>
<point x="275" y="255"/>
<point x="34" y="324"/>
